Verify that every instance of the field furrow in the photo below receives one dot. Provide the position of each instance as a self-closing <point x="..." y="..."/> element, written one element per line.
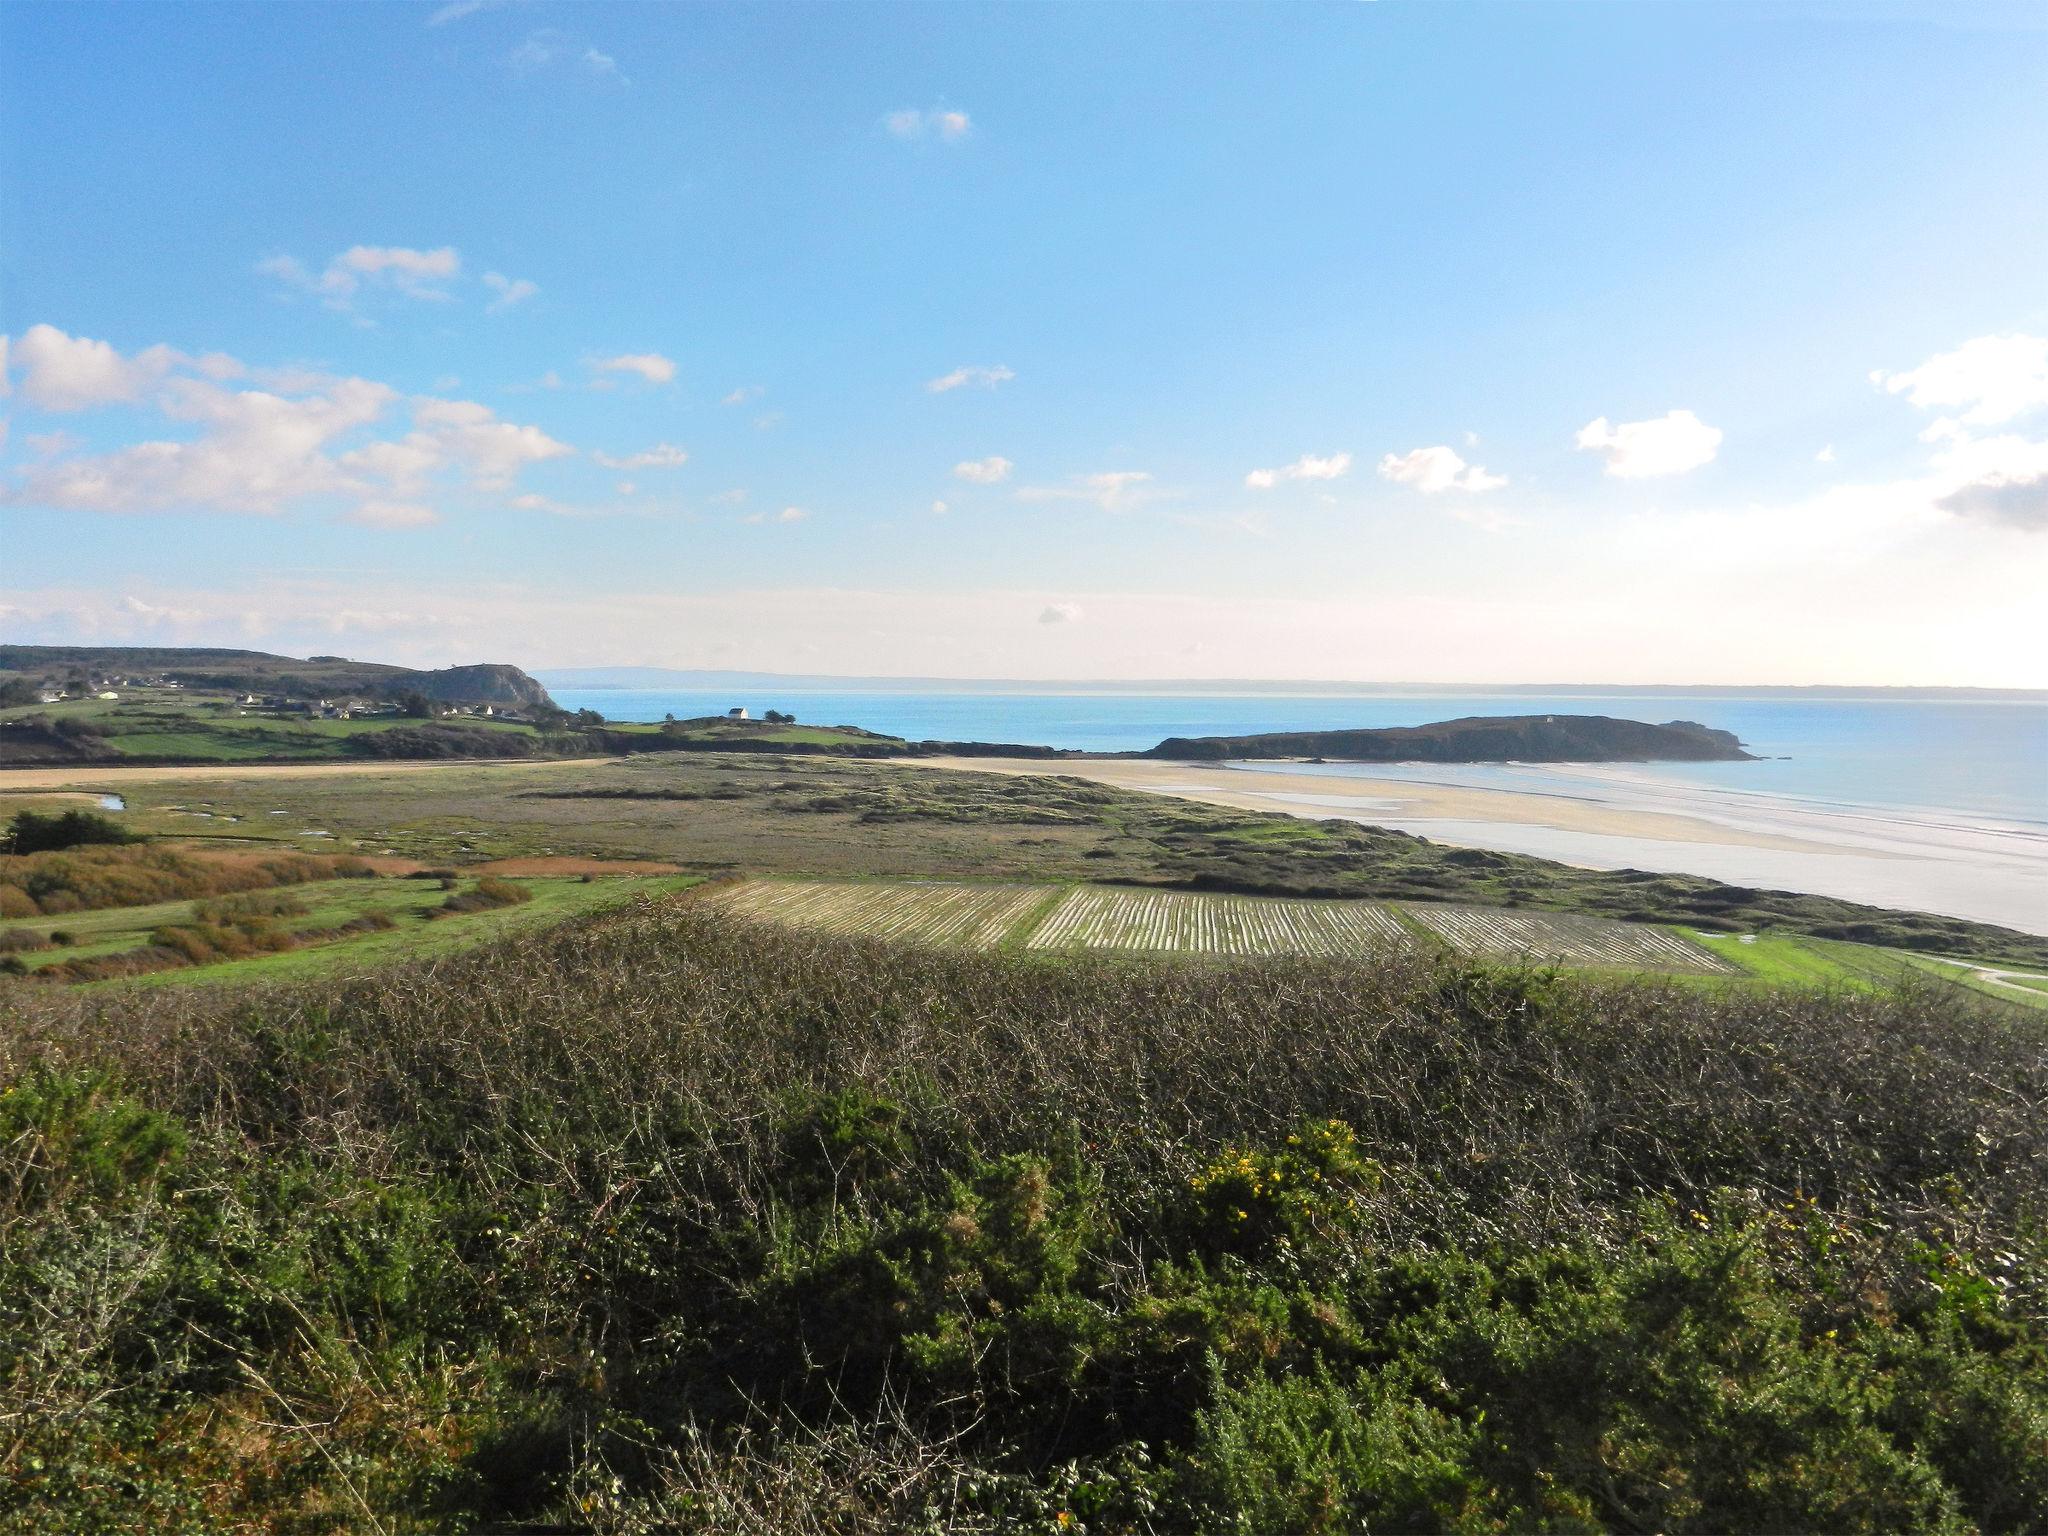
<point x="1565" y="939"/>
<point x="1189" y="923"/>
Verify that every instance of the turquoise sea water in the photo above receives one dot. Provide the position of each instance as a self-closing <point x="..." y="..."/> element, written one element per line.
<point x="1985" y="759"/>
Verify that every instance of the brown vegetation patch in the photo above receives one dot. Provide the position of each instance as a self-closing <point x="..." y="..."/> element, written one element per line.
<point x="564" y="864"/>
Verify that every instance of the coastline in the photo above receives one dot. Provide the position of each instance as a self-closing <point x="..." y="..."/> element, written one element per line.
<point x="1949" y="863"/>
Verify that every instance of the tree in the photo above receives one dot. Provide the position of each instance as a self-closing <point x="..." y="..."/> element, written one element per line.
<point x="586" y="720"/>
<point x="415" y="705"/>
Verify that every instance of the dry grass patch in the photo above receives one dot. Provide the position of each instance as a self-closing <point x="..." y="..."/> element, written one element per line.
<point x="1092" y="917"/>
<point x="969" y="916"/>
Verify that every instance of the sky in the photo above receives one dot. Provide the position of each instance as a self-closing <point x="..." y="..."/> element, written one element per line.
<point x="1376" y="342"/>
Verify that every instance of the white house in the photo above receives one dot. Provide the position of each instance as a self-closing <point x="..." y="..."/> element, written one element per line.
<point x="736" y="714"/>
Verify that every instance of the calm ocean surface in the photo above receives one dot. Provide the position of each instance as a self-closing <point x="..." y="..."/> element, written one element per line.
<point x="1979" y="759"/>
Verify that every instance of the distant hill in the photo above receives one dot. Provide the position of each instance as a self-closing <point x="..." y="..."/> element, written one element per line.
<point x="1478" y="739"/>
<point x="493" y="683"/>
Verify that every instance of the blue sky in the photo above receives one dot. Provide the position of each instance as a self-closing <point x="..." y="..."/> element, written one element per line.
<point x="1375" y="341"/>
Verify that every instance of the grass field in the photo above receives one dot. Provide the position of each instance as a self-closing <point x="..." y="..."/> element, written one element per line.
<point x="330" y="903"/>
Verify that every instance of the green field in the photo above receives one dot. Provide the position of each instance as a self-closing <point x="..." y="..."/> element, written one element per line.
<point x="330" y="903"/>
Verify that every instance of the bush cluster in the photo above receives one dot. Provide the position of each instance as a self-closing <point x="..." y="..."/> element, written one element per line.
<point x="90" y="879"/>
<point x="659" y="1222"/>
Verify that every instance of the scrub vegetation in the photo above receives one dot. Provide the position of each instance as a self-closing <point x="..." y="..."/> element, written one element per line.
<point x="728" y="1227"/>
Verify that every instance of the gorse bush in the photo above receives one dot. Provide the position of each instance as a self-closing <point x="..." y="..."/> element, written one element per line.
<point x="660" y="1222"/>
<point x="89" y="879"/>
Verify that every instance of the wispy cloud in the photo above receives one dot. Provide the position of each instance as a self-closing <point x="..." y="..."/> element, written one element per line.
<point x="1671" y="444"/>
<point x="650" y="366"/>
<point x="457" y="10"/>
<point x="1307" y="467"/>
<point x="405" y="270"/>
<point x="1435" y="470"/>
<point x="989" y="471"/>
<point x="1113" y="490"/>
<point x="743" y="394"/>
<point x="544" y="50"/>
<point x="1060" y="613"/>
<point x="911" y="123"/>
<point x="959" y="378"/>
<point x="509" y="290"/>
<point x="786" y="515"/>
<point x="660" y="456"/>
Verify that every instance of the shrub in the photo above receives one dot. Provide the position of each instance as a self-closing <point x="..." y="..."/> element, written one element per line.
<point x="490" y="892"/>
<point x="33" y="833"/>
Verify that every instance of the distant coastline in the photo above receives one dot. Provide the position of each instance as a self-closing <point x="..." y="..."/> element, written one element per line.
<point x="608" y="679"/>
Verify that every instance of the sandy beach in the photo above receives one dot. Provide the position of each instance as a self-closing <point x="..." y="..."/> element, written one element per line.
<point x="1603" y="817"/>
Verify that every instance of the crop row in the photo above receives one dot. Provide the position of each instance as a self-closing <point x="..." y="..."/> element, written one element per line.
<point x="1113" y="918"/>
<point x="1092" y="917"/>
<point x="970" y="916"/>
<point x="1495" y="935"/>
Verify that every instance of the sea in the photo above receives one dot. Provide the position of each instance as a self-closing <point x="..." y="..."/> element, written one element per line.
<point x="1917" y="754"/>
<point x="1932" y="803"/>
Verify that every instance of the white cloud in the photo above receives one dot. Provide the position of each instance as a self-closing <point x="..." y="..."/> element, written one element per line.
<point x="1670" y="444"/>
<point x="1060" y="613"/>
<point x="1438" y="469"/>
<point x="509" y="291"/>
<point x="989" y="471"/>
<point x="416" y="274"/>
<point x="75" y="373"/>
<point x="1826" y="455"/>
<point x="6" y="384"/>
<point x="786" y="515"/>
<point x="939" y="509"/>
<point x="909" y="123"/>
<point x="1990" y="379"/>
<point x="660" y="456"/>
<point x="1113" y="490"/>
<point x="985" y="377"/>
<point x="743" y="394"/>
<point x="304" y="437"/>
<point x="604" y="64"/>
<point x="651" y="366"/>
<point x="1307" y="467"/>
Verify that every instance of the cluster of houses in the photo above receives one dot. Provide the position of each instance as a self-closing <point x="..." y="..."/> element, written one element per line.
<point x="111" y="688"/>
